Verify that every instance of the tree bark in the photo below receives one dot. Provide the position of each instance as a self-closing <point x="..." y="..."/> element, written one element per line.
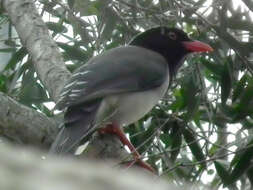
<point x="249" y="4"/>
<point x="34" y="170"/>
<point x="34" y="36"/>
<point x="25" y="125"/>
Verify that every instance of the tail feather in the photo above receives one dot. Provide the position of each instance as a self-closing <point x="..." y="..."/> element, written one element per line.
<point x="78" y="123"/>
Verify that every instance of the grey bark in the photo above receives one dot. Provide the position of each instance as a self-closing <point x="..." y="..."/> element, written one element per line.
<point x="25" y="125"/>
<point x="35" y="37"/>
<point x="106" y="147"/>
<point x="249" y="4"/>
<point x="30" y="171"/>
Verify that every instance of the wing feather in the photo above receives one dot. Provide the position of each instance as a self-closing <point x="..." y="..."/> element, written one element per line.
<point x="123" y="69"/>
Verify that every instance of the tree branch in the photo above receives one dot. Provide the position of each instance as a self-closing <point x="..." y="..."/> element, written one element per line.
<point x="29" y="171"/>
<point x="24" y="124"/>
<point x="249" y="4"/>
<point x="35" y="37"/>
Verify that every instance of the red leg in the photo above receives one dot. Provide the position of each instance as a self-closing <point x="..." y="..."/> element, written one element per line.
<point x="115" y="129"/>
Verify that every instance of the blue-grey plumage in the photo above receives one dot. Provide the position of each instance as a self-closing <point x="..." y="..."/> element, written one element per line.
<point x="98" y="82"/>
<point x="121" y="85"/>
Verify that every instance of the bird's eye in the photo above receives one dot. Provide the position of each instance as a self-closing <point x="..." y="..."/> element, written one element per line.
<point x="172" y="35"/>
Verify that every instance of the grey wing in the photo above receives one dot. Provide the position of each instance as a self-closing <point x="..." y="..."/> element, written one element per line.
<point x="124" y="69"/>
<point x="78" y="123"/>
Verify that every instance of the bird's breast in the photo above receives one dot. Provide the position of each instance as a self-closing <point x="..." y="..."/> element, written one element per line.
<point x="127" y="108"/>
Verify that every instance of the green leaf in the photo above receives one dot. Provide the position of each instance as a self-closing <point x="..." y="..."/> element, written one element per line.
<point x="86" y="8"/>
<point x="247" y="95"/>
<point x="10" y="42"/>
<point x="176" y="142"/>
<point x="242" y="164"/>
<point x="137" y="136"/>
<point x="3" y="83"/>
<point x="239" y="87"/>
<point x="16" y="57"/>
<point x="56" y="27"/>
<point x="243" y="108"/>
<point x="73" y="52"/>
<point x="211" y="77"/>
<point x="7" y="50"/>
<point x="221" y="168"/>
<point x="179" y="103"/>
<point x="110" y="20"/>
<point x="31" y="91"/>
<point x="247" y="123"/>
<point x="226" y="84"/>
<point x="166" y="139"/>
<point x="71" y="3"/>
<point x="213" y="150"/>
<point x="20" y="71"/>
<point x="193" y="144"/>
<point x="190" y="98"/>
<point x="210" y="172"/>
<point x="250" y="175"/>
<point x="147" y="134"/>
<point x="33" y="94"/>
<point x="214" y="68"/>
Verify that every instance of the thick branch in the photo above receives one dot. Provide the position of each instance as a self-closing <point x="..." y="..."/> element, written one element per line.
<point x="29" y="171"/>
<point x="24" y="124"/>
<point x="232" y="42"/>
<point x="249" y="4"/>
<point x="41" y="47"/>
<point x="106" y="147"/>
<point x="236" y="24"/>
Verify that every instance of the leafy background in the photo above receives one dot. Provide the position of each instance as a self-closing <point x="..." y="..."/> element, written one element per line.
<point x="201" y="131"/>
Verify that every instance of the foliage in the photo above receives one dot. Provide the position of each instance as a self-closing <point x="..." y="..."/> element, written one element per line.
<point x="202" y="129"/>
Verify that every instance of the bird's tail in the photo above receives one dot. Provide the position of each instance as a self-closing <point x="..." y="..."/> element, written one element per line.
<point x="78" y="123"/>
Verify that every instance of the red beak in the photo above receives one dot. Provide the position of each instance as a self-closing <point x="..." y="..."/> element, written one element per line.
<point x="197" y="46"/>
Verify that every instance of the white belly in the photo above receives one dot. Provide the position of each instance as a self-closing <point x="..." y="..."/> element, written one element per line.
<point x="128" y="108"/>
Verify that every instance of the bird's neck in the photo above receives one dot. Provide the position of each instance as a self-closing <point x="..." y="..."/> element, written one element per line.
<point x="174" y="65"/>
<point x="174" y="59"/>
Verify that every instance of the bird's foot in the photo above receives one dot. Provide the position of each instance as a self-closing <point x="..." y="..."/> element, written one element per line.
<point x="115" y="129"/>
<point x="142" y="164"/>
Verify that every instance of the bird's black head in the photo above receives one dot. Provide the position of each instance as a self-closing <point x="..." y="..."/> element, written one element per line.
<point x="172" y="43"/>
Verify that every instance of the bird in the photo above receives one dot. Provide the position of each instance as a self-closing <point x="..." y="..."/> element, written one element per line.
<point x="121" y="85"/>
